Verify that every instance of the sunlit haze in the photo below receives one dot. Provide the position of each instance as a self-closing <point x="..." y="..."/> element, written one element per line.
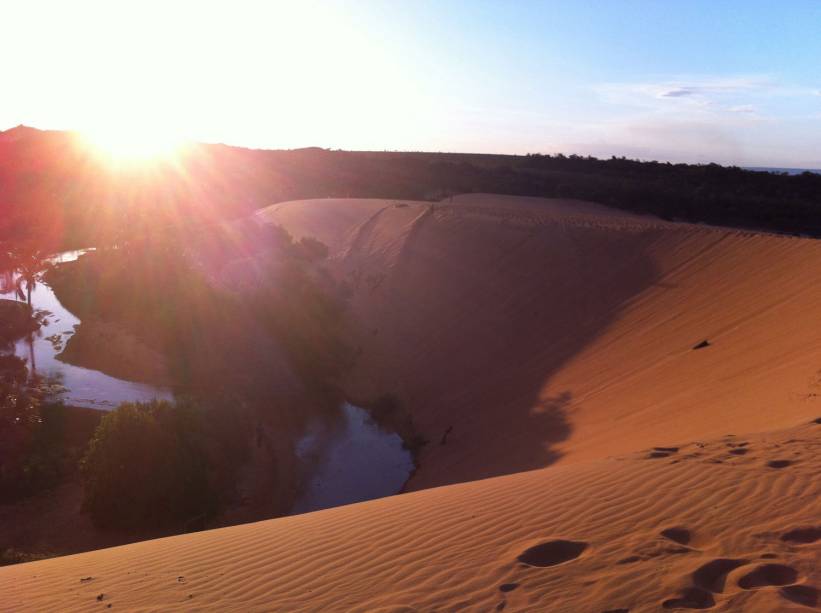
<point x="138" y="143"/>
<point x="733" y="82"/>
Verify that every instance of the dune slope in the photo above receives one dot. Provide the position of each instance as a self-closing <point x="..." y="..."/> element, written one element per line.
<point x="701" y="526"/>
<point x="538" y="331"/>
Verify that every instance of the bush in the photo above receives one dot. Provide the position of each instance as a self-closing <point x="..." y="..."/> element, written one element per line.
<point x="13" y="556"/>
<point x="155" y="464"/>
<point x="33" y="453"/>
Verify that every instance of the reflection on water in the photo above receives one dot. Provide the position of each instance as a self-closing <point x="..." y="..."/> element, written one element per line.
<point x="351" y="460"/>
<point x="83" y="387"/>
<point x="69" y="256"/>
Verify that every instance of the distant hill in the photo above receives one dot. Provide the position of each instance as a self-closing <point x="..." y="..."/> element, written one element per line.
<point x="17" y="133"/>
<point x="51" y="184"/>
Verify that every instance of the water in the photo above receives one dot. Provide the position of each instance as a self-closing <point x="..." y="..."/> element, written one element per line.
<point x="350" y="460"/>
<point x="83" y="387"/>
<point x="346" y="457"/>
<point x="789" y="171"/>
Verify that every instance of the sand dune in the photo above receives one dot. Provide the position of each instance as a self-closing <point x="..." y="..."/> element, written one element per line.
<point x="702" y="524"/>
<point x="543" y="331"/>
<point x="556" y="338"/>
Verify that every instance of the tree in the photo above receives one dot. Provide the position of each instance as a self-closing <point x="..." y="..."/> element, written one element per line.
<point x="6" y="272"/>
<point x="32" y="446"/>
<point x="30" y="264"/>
<point x="156" y="464"/>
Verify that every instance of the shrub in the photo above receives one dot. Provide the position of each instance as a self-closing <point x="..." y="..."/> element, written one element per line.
<point x="33" y="454"/>
<point x="13" y="556"/>
<point x="155" y="464"/>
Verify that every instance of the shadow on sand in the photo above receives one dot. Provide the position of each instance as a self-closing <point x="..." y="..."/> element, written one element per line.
<point x="473" y="323"/>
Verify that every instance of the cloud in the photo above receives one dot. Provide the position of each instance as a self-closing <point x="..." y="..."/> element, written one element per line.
<point x="740" y="98"/>
<point x="691" y="97"/>
<point x="678" y="93"/>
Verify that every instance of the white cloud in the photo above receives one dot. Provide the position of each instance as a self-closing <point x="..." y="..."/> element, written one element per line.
<point x="700" y="95"/>
<point x="695" y="93"/>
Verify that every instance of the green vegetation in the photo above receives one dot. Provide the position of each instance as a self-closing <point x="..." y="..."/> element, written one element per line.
<point x="35" y="449"/>
<point x="300" y="307"/>
<point x="261" y="324"/>
<point x="57" y="193"/>
<point x="162" y="463"/>
<point x="26" y="262"/>
<point x="707" y="193"/>
<point x="16" y="320"/>
<point x="150" y="289"/>
<point x="159" y="290"/>
<point x="14" y="556"/>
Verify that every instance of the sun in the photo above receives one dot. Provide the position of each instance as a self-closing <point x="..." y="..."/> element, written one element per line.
<point x="133" y="142"/>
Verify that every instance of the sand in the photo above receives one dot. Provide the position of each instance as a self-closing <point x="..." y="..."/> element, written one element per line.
<point x="453" y="548"/>
<point x="545" y="331"/>
<point x="595" y="461"/>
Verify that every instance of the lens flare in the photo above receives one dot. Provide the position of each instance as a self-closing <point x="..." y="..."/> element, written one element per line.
<point x="133" y="142"/>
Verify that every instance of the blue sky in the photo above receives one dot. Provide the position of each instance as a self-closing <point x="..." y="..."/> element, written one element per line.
<point x="732" y="82"/>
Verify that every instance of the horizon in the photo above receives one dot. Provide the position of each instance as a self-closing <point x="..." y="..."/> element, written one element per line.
<point x="788" y="170"/>
<point x="731" y="84"/>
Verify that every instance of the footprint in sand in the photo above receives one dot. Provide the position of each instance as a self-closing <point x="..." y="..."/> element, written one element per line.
<point x="679" y="535"/>
<point x="708" y="579"/>
<point x="779" y="463"/>
<point x="712" y="576"/>
<point x="662" y="452"/>
<point x="801" y="594"/>
<point x="802" y="535"/>
<point x="552" y="553"/>
<point x="508" y="587"/>
<point x="691" y="598"/>
<point x="767" y="575"/>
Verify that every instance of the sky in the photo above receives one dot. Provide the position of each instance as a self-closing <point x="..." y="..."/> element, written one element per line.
<point x="733" y="82"/>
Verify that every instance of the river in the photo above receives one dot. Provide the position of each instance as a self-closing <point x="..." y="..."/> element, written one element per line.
<point x="346" y="458"/>
<point x="82" y="387"/>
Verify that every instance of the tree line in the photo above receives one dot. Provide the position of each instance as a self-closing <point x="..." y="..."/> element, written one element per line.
<point x="51" y="188"/>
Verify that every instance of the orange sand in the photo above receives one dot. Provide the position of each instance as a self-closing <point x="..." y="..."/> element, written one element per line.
<point x="546" y="335"/>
